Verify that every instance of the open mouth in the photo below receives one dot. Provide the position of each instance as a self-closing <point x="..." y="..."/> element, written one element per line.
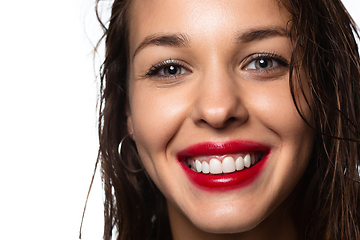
<point x="223" y="164"/>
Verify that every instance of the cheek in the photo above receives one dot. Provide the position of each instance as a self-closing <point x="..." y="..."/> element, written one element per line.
<point x="156" y="116"/>
<point x="276" y="110"/>
<point x="294" y="138"/>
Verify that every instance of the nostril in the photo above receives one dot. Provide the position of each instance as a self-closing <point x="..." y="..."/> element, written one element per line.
<point x="231" y="119"/>
<point x="220" y="113"/>
<point x="220" y="124"/>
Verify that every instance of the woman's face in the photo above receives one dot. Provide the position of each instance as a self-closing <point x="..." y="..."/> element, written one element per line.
<point x="209" y="88"/>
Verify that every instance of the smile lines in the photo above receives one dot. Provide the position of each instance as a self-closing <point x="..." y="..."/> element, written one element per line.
<point x="224" y="164"/>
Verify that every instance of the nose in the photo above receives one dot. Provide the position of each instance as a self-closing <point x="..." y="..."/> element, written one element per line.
<point x="219" y="103"/>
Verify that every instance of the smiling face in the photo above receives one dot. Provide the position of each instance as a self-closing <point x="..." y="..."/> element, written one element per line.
<point x="209" y="88"/>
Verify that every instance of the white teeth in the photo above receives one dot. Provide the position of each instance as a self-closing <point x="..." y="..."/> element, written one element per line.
<point x="228" y="165"/>
<point x="198" y="165"/>
<point x="215" y="166"/>
<point x="205" y="167"/>
<point x="247" y="160"/>
<point x="239" y="163"/>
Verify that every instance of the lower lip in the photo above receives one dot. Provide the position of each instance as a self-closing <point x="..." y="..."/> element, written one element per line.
<point x="225" y="182"/>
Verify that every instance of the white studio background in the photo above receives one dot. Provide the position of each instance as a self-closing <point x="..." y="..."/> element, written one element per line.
<point x="48" y="135"/>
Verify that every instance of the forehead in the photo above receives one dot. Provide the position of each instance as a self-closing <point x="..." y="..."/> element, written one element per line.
<point x="202" y="19"/>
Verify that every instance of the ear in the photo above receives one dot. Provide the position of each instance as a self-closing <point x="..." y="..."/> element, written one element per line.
<point x="129" y="122"/>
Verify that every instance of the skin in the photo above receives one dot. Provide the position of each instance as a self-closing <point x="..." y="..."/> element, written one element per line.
<point x="217" y="96"/>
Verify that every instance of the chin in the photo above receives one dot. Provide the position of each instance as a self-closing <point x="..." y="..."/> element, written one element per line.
<point x="223" y="222"/>
<point x="228" y="228"/>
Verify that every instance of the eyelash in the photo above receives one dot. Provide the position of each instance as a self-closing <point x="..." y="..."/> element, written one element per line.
<point x="155" y="69"/>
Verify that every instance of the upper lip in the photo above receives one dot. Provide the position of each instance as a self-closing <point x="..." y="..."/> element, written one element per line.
<point x="222" y="148"/>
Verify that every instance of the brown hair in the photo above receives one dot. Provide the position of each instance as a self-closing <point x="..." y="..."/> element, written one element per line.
<point x="323" y="36"/>
<point x="325" y="48"/>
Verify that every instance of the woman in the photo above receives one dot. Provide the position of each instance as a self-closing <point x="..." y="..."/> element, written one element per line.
<point x="230" y="120"/>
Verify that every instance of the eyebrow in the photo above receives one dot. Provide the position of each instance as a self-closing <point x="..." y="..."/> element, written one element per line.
<point x="176" y="40"/>
<point x="260" y="34"/>
<point x="182" y="40"/>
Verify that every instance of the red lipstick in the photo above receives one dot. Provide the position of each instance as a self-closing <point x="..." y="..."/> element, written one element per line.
<point x="229" y="181"/>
